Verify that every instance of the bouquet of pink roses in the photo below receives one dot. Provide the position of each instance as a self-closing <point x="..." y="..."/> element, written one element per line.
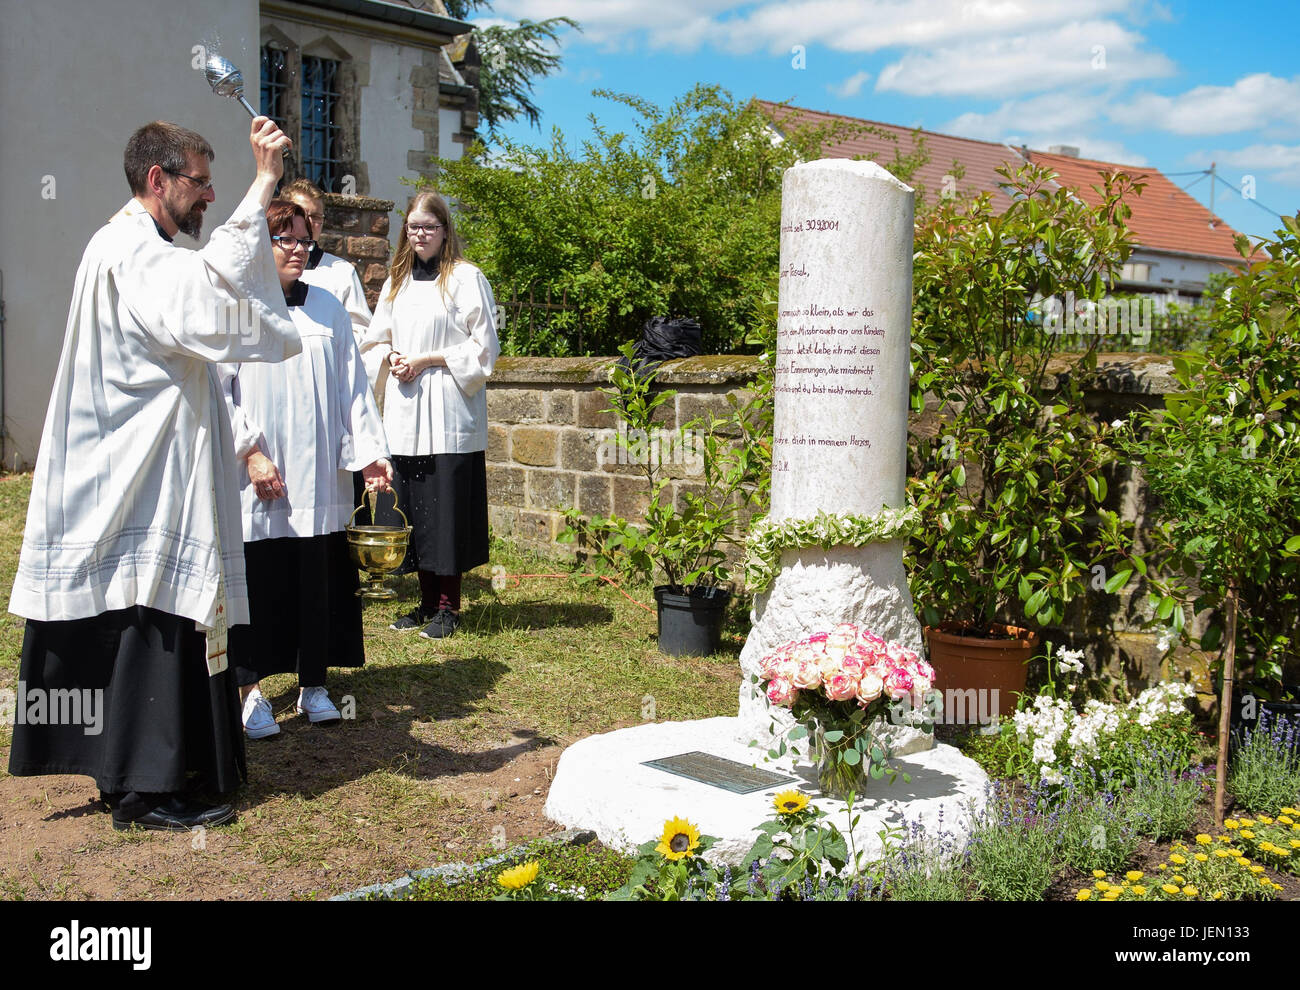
<point x="836" y="683"/>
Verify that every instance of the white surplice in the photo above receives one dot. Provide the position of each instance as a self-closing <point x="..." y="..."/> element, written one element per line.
<point x="339" y="278"/>
<point x="314" y="417"/>
<point x="444" y="410"/>
<point x="135" y="474"/>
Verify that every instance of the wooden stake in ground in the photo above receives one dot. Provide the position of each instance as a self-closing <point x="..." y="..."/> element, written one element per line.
<point x="1225" y="705"/>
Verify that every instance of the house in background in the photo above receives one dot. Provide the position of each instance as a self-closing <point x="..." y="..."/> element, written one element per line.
<point x="1179" y="242"/>
<point x="370" y="91"/>
<point x="367" y="89"/>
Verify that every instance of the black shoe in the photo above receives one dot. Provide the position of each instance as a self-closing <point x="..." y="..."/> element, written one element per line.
<point x="442" y="625"/>
<point x="413" y="619"/>
<point x="168" y="813"/>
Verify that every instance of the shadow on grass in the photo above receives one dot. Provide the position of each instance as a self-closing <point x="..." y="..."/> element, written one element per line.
<point x="392" y="704"/>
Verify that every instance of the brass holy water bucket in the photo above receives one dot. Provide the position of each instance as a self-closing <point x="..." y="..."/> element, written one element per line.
<point x="377" y="550"/>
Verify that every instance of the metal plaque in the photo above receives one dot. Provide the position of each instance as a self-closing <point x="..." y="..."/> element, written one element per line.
<point x="717" y="772"/>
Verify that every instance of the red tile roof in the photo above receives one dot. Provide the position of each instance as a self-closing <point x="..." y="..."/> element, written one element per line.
<point x="1165" y="218"/>
<point x="979" y="158"/>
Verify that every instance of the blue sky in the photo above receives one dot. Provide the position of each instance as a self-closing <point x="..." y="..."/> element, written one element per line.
<point x="1168" y="85"/>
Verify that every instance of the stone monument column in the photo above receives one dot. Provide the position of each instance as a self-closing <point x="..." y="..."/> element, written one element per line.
<point x="841" y="397"/>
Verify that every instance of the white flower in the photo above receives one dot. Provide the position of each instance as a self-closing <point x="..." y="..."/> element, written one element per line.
<point x="1216" y="420"/>
<point x="1051" y="775"/>
<point x="1163" y="643"/>
<point x="1071" y="660"/>
<point x="1259" y="418"/>
<point x="1116" y="424"/>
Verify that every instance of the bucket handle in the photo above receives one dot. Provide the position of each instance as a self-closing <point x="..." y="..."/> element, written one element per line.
<point x="373" y="500"/>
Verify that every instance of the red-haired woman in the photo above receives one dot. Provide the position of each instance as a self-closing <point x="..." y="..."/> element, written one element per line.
<point x="301" y="427"/>
<point x="434" y="333"/>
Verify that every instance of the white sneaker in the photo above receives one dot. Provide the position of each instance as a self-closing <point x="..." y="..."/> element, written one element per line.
<point x="259" y="722"/>
<point x="314" y="702"/>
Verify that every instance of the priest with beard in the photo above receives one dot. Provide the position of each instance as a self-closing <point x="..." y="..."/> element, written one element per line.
<point x="132" y="562"/>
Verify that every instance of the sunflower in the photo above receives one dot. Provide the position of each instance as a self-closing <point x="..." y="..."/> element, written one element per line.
<point x="518" y="877"/>
<point x="791" y="802"/>
<point x="680" y="839"/>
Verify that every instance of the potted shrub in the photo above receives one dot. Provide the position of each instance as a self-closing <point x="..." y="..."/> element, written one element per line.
<point x="683" y="544"/>
<point x="1011" y="490"/>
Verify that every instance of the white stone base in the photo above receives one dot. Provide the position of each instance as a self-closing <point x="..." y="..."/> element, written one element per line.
<point x="601" y="785"/>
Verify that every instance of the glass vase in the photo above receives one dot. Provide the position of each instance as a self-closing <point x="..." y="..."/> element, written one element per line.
<point x="836" y="778"/>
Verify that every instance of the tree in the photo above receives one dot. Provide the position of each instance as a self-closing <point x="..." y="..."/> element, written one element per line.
<point x="682" y="218"/>
<point x="512" y="58"/>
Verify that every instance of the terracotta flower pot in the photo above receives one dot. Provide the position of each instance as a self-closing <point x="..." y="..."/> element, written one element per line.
<point x="964" y="662"/>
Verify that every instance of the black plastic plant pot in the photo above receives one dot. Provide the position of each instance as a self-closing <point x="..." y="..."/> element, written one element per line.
<point x="690" y="625"/>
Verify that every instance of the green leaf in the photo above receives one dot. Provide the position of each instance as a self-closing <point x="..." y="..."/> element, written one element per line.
<point x="852" y="757"/>
<point x="834" y="735"/>
<point x="1118" y="580"/>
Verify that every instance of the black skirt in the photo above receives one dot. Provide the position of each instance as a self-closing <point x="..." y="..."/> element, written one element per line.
<point x="304" y="610"/>
<point x="161" y="717"/>
<point x="445" y="498"/>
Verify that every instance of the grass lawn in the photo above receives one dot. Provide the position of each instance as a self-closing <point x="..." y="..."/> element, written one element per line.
<point x="451" y="748"/>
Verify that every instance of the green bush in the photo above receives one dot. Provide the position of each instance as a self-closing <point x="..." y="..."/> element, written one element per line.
<point x="681" y="218"/>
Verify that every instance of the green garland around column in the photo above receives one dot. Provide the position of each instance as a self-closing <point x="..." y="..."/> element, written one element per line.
<point x="767" y="540"/>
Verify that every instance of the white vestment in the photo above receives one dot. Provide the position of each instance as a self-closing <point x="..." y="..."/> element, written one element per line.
<point x="339" y="278"/>
<point x="135" y="477"/>
<point x="444" y="410"/>
<point x="314" y="417"/>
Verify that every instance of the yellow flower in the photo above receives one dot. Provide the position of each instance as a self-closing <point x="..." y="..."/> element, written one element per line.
<point x="1169" y="888"/>
<point x="1102" y="885"/>
<point x="1284" y="853"/>
<point x="1190" y="891"/>
<point x="1217" y="895"/>
<point x="1246" y="821"/>
<point x="1284" y="820"/>
<point x="1222" y="853"/>
<point x="1223" y="838"/>
<point x="1290" y="811"/>
<point x="1203" y="840"/>
<point x="1202" y="858"/>
<point x="1139" y="890"/>
<point x="1180" y="880"/>
<point x="680" y="839"/>
<point x="791" y="802"/>
<point x="1083" y="895"/>
<point x="1230" y="823"/>
<point x="1295" y="843"/>
<point x="1134" y="875"/>
<point x="1247" y="834"/>
<point x="1111" y="895"/>
<point x="1175" y="858"/>
<point x="1099" y="874"/>
<point x="1256" y="869"/>
<point x="1277" y="886"/>
<point x="1267" y="847"/>
<point x="1265" y="820"/>
<point x="518" y="877"/>
<point x="1163" y="866"/>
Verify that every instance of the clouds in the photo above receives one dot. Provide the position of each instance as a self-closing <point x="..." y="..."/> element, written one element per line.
<point x="850" y="86"/>
<point x="1281" y="160"/>
<point x="1086" y="53"/>
<point x="1253" y="101"/>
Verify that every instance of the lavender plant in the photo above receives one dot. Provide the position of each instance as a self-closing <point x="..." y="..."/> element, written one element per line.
<point x="1265" y="769"/>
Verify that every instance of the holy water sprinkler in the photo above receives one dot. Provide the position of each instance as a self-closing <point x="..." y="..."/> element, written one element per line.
<point x="226" y="80"/>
